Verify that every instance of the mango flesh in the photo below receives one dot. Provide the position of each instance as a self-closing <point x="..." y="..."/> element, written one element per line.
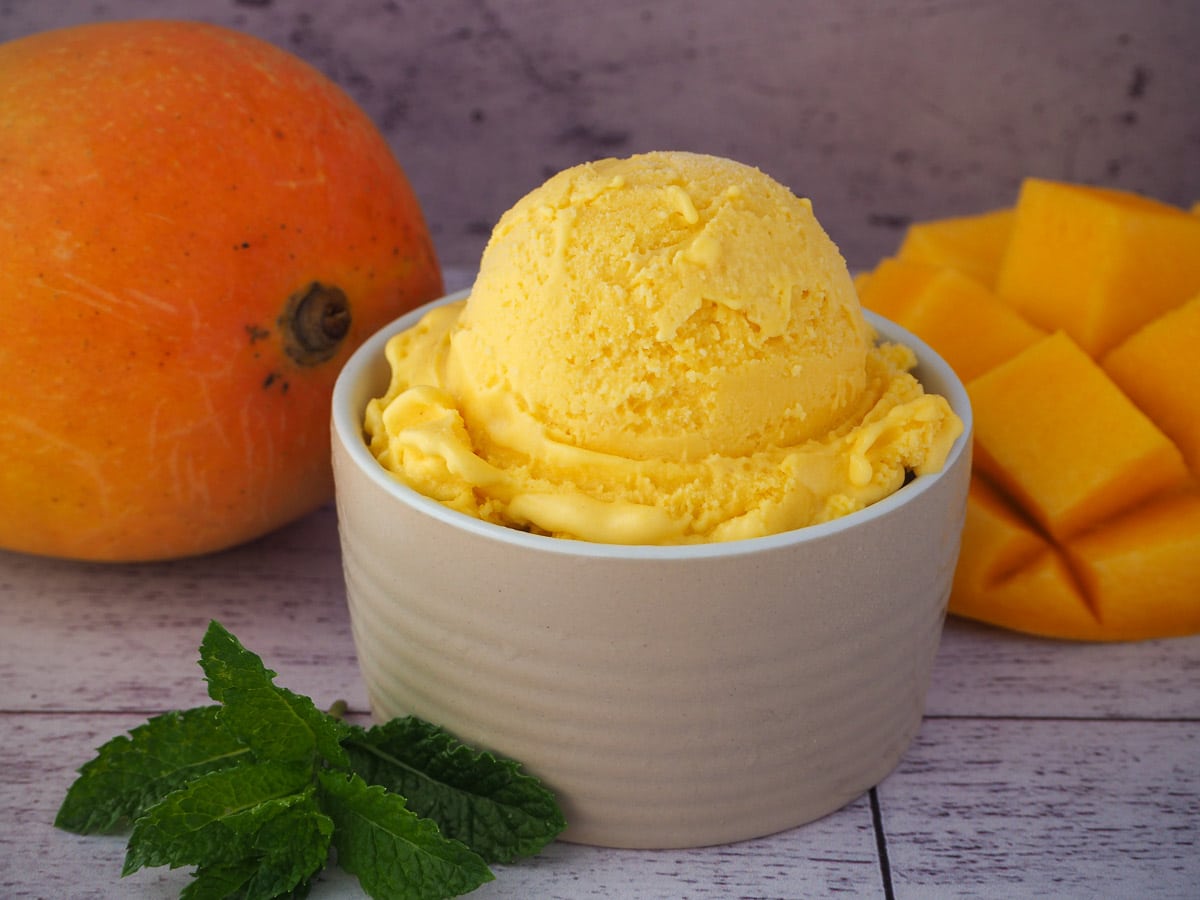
<point x="197" y="230"/>
<point x="1081" y="451"/>
<point x="1095" y="262"/>
<point x="1009" y="574"/>
<point x="1157" y="367"/>
<point x="1083" y="520"/>
<point x="973" y="245"/>
<point x="933" y="302"/>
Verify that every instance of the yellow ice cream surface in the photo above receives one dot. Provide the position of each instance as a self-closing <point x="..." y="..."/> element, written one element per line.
<point x="518" y="475"/>
<point x="665" y="305"/>
<point x="664" y="349"/>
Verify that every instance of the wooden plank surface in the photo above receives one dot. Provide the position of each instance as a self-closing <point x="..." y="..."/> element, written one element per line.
<point x="1042" y="769"/>
<point x="1046" y="808"/>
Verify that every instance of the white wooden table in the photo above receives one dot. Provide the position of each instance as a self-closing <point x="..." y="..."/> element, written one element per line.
<point x="1042" y="769"/>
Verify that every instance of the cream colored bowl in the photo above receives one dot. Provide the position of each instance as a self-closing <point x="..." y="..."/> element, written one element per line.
<point x="670" y="696"/>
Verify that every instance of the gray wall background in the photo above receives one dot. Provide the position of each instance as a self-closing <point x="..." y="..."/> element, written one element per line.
<point x="881" y="111"/>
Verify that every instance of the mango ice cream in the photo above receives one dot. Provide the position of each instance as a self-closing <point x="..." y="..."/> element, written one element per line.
<point x="661" y="349"/>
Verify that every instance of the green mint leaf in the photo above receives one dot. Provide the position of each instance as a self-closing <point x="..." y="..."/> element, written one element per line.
<point x="285" y="848"/>
<point x="487" y="803"/>
<point x="231" y="883"/>
<point x="396" y="854"/>
<point x="274" y="722"/>
<point x="131" y="774"/>
<point x="215" y="820"/>
<point x="290" y="848"/>
<point x="219" y="882"/>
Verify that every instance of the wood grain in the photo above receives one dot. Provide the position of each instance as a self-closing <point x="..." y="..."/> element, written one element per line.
<point x="1050" y="808"/>
<point x="984" y="671"/>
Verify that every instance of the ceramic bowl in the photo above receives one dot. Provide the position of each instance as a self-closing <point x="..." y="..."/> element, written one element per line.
<point x="670" y="696"/>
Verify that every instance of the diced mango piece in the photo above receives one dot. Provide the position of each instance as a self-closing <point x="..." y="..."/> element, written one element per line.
<point x="1009" y="575"/>
<point x="956" y="315"/>
<point x="974" y="245"/>
<point x="893" y="285"/>
<point x="1142" y="570"/>
<point x="1159" y="368"/>
<point x="1040" y="598"/>
<point x="1053" y="431"/>
<point x="1096" y="262"/>
<point x="997" y="540"/>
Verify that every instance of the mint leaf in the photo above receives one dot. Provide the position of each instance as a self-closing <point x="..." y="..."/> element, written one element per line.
<point x="231" y="883"/>
<point x="485" y="802"/>
<point x="215" y="818"/>
<point x="396" y="854"/>
<point x="284" y="846"/>
<point x="131" y="774"/>
<point x="290" y="847"/>
<point x="219" y="882"/>
<point x="274" y="722"/>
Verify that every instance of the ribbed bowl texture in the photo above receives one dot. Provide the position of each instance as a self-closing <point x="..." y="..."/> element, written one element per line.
<point x="669" y="696"/>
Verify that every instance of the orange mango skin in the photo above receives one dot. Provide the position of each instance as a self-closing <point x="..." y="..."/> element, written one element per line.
<point x="165" y="188"/>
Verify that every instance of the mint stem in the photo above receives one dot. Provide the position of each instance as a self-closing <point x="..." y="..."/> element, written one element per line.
<point x="338" y="710"/>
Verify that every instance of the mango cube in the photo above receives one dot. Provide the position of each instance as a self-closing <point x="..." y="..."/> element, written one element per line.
<point x="1053" y="431"/>
<point x="889" y="289"/>
<point x="956" y="315"/>
<point x="1096" y="262"/>
<point x="1141" y="570"/>
<point x="1159" y="370"/>
<point x="973" y="245"/>
<point x="1010" y="575"/>
<point x="1074" y="319"/>
<point x="997" y="541"/>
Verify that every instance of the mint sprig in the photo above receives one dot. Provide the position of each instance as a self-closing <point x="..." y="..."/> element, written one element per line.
<point x="256" y="791"/>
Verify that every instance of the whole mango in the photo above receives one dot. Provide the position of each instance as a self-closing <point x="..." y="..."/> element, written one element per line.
<point x="196" y="230"/>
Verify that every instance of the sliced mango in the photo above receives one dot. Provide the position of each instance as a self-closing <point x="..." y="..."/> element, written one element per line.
<point x="1142" y="570"/>
<point x="1055" y="433"/>
<point x="1159" y="368"/>
<point x="1082" y="520"/>
<point x="997" y="541"/>
<point x="1009" y="575"/>
<point x="1095" y="262"/>
<point x="973" y="245"/>
<point x="893" y="285"/>
<point x="956" y="315"/>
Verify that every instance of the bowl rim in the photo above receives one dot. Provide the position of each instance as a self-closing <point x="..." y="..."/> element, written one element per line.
<point x="348" y="432"/>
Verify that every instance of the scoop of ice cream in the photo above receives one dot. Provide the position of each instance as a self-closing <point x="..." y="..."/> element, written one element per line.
<point x="665" y="305"/>
<point x="662" y="349"/>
